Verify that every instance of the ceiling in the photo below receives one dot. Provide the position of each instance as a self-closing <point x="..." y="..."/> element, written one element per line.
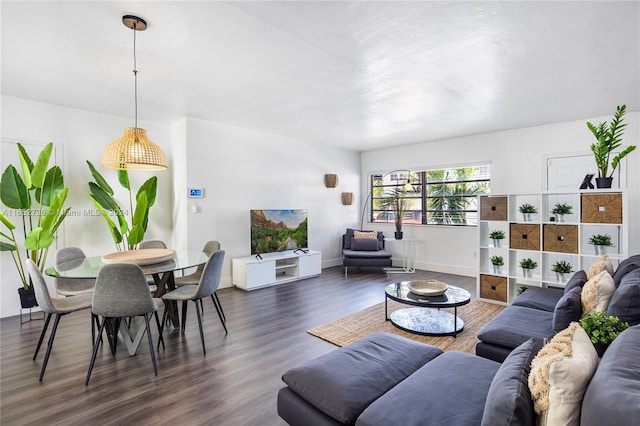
<point x="360" y="75"/>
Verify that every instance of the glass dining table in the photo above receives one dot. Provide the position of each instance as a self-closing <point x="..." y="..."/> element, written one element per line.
<point x="163" y="273"/>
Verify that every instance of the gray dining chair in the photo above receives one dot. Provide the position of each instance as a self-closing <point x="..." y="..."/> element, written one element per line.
<point x="72" y="286"/>
<point x="122" y="292"/>
<point x="194" y="278"/>
<point x="58" y="306"/>
<point x="152" y="244"/>
<point x="207" y="285"/>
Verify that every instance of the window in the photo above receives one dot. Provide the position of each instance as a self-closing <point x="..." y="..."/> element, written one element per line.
<point x="430" y="197"/>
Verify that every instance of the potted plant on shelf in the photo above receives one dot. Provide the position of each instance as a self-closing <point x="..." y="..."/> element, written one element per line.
<point x="527" y="210"/>
<point x="562" y="268"/>
<point x="609" y="136"/>
<point x="497" y="236"/>
<point x="528" y="265"/>
<point x="498" y="263"/>
<point x="37" y="198"/>
<point x="600" y="243"/>
<point x="561" y="210"/>
<point x="602" y="329"/>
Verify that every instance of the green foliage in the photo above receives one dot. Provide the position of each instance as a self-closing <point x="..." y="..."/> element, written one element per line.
<point x="522" y="289"/>
<point x="602" y="328"/>
<point x="37" y="197"/>
<point x="268" y="236"/>
<point x="497" y="260"/>
<point x="600" y="240"/>
<point x="609" y="136"/>
<point x="397" y="202"/>
<point x="562" y="267"/>
<point x="527" y="208"/>
<point x="562" y="208"/>
<point x="528" y="263"/>
<point x="125" y="236"/>
<point x="450" y="199"/>
<point x="497" y="234"/>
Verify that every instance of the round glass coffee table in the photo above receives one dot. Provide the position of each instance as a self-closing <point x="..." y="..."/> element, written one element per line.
<point x="426" y="318"/>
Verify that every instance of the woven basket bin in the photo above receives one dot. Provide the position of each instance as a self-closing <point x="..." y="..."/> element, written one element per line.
<point x="493" y="208"/>
<point x="560" y="238"/>
<point x="524" y="236"/>
<point x="601" y="208"/>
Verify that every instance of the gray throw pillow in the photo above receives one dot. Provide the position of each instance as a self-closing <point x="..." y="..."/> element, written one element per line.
<point x="364" y="244"/>
<point x="568" y="309"/>
<point x="625" y="302"/>
<point x="509" y="399"/>
<point x="578" y="279"/>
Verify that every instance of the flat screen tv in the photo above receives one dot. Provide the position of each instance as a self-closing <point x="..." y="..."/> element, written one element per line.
<point x="278" y="230"/>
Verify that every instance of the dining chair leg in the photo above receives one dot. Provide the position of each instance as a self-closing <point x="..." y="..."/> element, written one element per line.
<point x="218" y="305"/>
<point x="44" y="330"/>
<point x="200" y="326"/>
<point x="95" y="351"/>
<point x="56" y="321"/>
<point x="160" y="338"/>
<point x="220" y="315"/>
<point x="153" y="353"/>
<point x="184" y="316"/>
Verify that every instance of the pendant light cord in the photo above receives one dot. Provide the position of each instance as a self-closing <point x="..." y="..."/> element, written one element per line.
<point x="135" y="76"/>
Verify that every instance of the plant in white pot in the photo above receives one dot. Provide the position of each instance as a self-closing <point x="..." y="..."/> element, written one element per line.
<point x="527" y="210"/>
<point x="528" y="265"/>
<point x="609" y="136"/>
<point x="497" y="236"/>
<point x="498" y="263"/>
<point x="561" y="210"/>
<point x="36" y="198"/>
<point x="601" y="242"/>
<point x="562" y="268"/>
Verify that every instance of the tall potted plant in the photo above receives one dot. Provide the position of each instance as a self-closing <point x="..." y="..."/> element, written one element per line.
<point x="609" y="136"/>
<point x="399" y="204"/>
<point x="37" y="199"/>
<point x="125" y="236"/>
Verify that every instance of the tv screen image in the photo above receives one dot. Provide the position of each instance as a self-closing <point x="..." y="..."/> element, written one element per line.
<point x="278" y="230"/>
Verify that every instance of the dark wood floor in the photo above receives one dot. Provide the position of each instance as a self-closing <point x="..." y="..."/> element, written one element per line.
<point x="234" y="384"/>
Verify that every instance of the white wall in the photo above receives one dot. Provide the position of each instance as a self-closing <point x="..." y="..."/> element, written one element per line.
<point x="242" y="169"/>
<point x="80" y="136"/>
<point x="516" y="158"/>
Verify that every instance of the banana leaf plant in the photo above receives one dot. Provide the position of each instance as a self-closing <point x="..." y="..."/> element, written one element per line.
<point x="37" y="200"/>
<point x="126" y="236"/>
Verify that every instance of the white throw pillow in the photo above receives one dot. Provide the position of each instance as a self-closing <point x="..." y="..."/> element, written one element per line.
<point x="559" y="376"/>
<point x="602" y="264"/>
<point x="597" y="293"/>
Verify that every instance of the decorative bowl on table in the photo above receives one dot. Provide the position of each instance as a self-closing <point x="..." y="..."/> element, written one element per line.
<point x="139" y="257"/>
<point x="427" y="287"/>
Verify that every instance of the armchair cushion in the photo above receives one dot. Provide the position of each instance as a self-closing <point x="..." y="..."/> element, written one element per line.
<point x="350" y="234"/>
<point x="364" y="244"/>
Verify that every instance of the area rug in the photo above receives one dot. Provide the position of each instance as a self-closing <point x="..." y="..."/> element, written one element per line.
<point x="371" y="320"/>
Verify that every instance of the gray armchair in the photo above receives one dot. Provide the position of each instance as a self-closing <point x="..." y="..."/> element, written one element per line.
<point x="364" y="252"/>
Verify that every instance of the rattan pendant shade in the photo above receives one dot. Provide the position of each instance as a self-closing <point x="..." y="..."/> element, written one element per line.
<point x="134" y="151"/>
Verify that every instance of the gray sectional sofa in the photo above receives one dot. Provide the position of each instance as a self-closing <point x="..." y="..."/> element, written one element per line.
<point x="541" y="312"/>
<point x="385" y="379"/>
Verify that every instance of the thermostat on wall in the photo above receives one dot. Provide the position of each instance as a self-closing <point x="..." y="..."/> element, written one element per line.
<point x="196" y="192"/>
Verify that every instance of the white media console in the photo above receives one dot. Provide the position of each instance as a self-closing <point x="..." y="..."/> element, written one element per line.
<point x="250" y="273"/>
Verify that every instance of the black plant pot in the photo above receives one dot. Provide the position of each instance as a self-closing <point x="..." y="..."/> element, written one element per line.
<point x="398" y="235"/>
<point x="604" y="182"/>
<point x="600" y="348"/>
<point x="27" y="298"/>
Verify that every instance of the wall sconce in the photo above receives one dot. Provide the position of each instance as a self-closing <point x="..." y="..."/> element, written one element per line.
<point x="347" y="198"/>
<point x="330" y="181"/>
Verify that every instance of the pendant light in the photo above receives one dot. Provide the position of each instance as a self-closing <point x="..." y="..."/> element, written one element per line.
<point x="134" y="150"/>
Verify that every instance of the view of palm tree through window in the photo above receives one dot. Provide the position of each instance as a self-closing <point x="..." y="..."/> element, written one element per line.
<point x="430" y="197"/>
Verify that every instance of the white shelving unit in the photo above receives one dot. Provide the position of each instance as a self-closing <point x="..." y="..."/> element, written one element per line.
<point x="545" y="239"/>
<point x="250" y="272"/>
